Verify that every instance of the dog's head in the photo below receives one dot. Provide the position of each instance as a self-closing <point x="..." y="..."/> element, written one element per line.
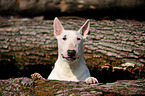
<point x="70" y="43"/>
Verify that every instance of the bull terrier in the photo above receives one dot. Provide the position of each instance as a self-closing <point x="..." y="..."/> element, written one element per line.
<point x="70" y="65"/>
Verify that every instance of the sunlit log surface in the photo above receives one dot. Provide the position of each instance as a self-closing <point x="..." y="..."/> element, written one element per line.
<point x="25" y="86"/>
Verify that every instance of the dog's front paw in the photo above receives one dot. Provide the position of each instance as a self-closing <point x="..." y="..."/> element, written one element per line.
<point x="36" y="76"/>
<point x="91" y="80"/>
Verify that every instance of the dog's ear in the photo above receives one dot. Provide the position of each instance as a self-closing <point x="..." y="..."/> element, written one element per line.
<point x="58" y="28"/>
<point x="85" y="29"/>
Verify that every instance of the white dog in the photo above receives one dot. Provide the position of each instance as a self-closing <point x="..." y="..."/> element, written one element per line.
<point x="70" y="65"/>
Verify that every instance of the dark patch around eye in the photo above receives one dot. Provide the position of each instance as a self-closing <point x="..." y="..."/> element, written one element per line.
<point x="78" y="38"/>
<point x="64" y="38"/>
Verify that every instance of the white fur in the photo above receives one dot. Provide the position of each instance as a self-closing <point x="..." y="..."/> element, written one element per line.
<point x="68" y="69"/>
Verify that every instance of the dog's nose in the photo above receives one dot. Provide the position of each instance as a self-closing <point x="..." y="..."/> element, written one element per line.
<point x="71" y="52"/>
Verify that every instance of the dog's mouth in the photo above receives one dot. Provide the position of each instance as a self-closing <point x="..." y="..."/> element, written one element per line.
<point x="70" y="58"/>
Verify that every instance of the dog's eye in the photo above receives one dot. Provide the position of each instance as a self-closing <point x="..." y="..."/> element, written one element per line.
<point x="78" y="38"/>
<point x="64" y="38"/>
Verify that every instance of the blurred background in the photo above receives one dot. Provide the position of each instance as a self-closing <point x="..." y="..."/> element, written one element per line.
<point x="114" y="49"/>
<point x="132" y="9"/>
